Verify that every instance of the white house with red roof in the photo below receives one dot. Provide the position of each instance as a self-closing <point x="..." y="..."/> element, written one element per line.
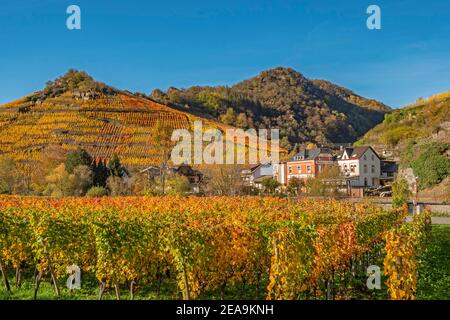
<point x="361" y="165"/>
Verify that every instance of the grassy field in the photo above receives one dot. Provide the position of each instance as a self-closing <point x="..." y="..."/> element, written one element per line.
<point x="434" y="270"/>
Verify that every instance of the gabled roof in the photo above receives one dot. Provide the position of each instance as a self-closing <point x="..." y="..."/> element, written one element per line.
<point x="309" y="154"/>
<point x="261" y="165"/>
<point x="354" y="153"/>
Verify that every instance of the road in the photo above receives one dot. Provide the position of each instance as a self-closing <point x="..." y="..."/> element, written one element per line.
<point x="435" y="220"/>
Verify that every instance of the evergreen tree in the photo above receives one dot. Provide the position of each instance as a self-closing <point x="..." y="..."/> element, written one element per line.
<point x="79" y="157"/>
<point x="101" y="174"/>
<point x="115" y="167"/>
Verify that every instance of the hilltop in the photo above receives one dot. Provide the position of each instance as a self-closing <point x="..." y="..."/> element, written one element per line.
<point x="305" y="110"/>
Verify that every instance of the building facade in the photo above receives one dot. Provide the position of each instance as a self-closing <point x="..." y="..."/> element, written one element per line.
<point x="361" y="165"/>
<point x="307" y="163"/>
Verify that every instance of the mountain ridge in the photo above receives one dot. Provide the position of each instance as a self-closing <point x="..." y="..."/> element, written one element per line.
<point x="305" y="110"/>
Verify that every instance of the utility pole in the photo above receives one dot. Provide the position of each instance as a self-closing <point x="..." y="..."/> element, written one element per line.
<point x="416" y="201"/>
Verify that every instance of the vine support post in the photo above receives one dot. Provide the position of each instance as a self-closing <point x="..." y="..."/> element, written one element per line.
<point x="185" y="280"/>
<point x="18" y="277"/>
<point x="101" y="290"/>
<point x="329" y="285"/>
<point x="37" y="283"/>
<point x="132" y="289"/>
<point x="277" y="265"/>
<point x="53" y="275"/>
<point x="5" y="276"/>
<point x="116" y="288"/>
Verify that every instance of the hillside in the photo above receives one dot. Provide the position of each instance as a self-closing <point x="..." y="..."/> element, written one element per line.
<point x="419" y="137"/>
<point x="304" y="110"/>
<point x="77" y="111"/>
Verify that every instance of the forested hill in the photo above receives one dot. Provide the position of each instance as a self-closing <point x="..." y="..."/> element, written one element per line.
<point x="305" y="110"/>
<point x="419" y="137"/>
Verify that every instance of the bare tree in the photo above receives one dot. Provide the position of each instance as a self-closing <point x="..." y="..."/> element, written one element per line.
<point x="223" y="179"/>
<point x="161" y="135"/>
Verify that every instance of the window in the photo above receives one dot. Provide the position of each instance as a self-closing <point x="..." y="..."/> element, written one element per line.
<point x="290" y="169"/>
<point x="365" y="157"/>
<point x="299" y="169"/>
<point x="308" y="169"/>
<point x="352" y="168"/>
<point x="373" y="158"/>
<point x="365" y="182"/>
<point x="365" y="168"/>
<point x="373" y="169"/>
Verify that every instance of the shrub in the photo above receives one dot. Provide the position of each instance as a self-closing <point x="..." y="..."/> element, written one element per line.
<point x="117" y="186"/>
<point x="96" y="192"/>
<point x="432" y="165"/>
<point x="394" y="136"/>
<point x="270" y="185"/>
<point x="400" y="192"/>
<point x="178" y="185"/>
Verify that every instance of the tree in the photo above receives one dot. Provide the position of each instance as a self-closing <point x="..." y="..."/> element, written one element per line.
<point x="432" y="165"/>
<point x="49" y="158"/>
<point x="114" y="166"/>
<point x="82" y="180"/>
<point x="330" y="177"/>
<point x="229" y="117"/>
<point x="101" y="173"/>
<point x="284" y="143"/>
<point x="139" y="184"/>
<point x="270" y="185"/>
<point x="163" y="144"/>
<point x="76" y="158"/>
<point x="178" y="185"/>
<point x="117" y="186"/>
<point x="242" y="121"/>
<point x="224" y="180"/>
<point x="7" y="174"/>
<point x="58" y="182"/>
<point x="294" y="186"/>
<point x="311" y="146"/>
<point x="315" y="187"/>
<point x="400" y="192"/>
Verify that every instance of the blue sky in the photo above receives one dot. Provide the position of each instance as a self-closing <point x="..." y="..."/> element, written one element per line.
<point x="143" y="45"/>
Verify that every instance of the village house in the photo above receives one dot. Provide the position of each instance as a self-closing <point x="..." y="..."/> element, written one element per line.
<point x="307" y="163"/>
<point x="361" y="166"/>
<point x="195" y="177"/>
<point x="361" y="169"/>
<point x="258" y="173"/>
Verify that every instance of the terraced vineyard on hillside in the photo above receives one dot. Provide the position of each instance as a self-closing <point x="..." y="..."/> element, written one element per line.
<point x="109" y="124"/>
